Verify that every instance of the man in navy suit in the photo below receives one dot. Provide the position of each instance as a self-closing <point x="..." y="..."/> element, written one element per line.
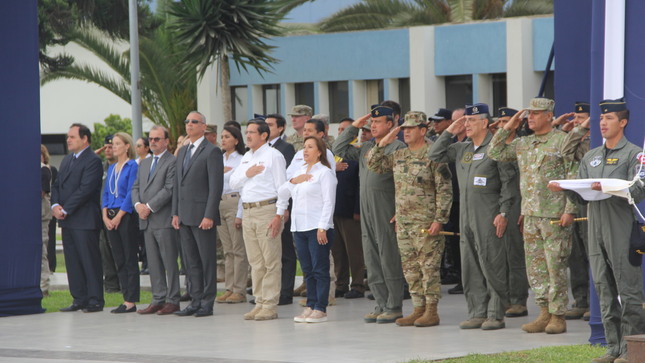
<point x="76" y="196"/>
<point x="199" y="180"/>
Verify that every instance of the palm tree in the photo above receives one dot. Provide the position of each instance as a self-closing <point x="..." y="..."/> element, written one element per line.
<point x="166" y="95"/>
<point x="380" y="14"/>
<point x="223" y="30"/>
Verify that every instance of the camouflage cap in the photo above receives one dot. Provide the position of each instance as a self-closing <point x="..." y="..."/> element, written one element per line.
<point x="211" y="129"/>
<point x="368" y="127"/>
<point x="414" y="119"/>
<point x="301" y="110"/>
<point x="322" y="117"/>
<point x="541" y="104"/>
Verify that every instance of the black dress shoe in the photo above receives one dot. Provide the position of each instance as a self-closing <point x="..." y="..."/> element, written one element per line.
<point x="370" y="296"/>
<point x="204" y="312"/>
<point x="339" y="293"/>
<point x="185" y="297"/>
<point x="93" y="309"/>
<point x="285" y="301"/>
<point x="145" y="272"/>
<point x="459" y="289"/>
<point x="122" y="309"/>
<point x="252" y="301"/>
<point x="354" y="294"/>
<point x="249" y="291"/>
<point x="73" y="307"/>
<point x="188" y="311"/>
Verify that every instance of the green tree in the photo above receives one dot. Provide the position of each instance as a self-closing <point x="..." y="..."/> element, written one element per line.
<point x="113" y="124"/>
<point x="226" y="30"/>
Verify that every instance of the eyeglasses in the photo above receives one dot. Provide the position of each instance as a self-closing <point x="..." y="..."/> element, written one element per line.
<point x="156" y="139"/>
<point x="191" y="121"/>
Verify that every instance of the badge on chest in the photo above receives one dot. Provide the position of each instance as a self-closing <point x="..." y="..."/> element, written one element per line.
<point x="611" y="161"/>
<point x="478" y="156"/>
<point x="597" y="160"/>
<point x="467" y="158"/>
<point x="479" y="181"/>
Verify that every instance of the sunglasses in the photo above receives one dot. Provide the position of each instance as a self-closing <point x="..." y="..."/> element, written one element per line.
<point x="156" y="139"/>
<point x="191" y="121"/>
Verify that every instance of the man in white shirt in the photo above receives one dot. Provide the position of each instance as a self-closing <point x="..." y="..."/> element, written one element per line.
<point x="258" y="178"/>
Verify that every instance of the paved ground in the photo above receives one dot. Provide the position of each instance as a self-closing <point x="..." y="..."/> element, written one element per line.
<point x="226" y="337"/>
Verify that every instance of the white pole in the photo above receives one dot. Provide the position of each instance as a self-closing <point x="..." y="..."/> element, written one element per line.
<point x="134" y="72"/>
<point x="614" y="69"/>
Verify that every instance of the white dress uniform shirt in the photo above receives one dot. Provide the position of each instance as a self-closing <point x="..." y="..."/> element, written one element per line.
<point x="313" y="200"/>
<point x="263" y="186"/>
<point x="233" y="161"/>
<point x="299" y="160"/>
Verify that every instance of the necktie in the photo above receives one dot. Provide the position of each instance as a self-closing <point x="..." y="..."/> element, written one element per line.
<point x="187" y="157"/>
<point x="72" y="162"/>
<point x="154" y="166"/>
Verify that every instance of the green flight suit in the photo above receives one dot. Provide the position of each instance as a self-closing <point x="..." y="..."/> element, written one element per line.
<point x="380" y="249"/>
<point x="484" y="193"/>
<point x="518" y="283"/>
<point x="610" y="223"/>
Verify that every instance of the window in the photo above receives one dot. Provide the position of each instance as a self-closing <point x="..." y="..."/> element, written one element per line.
<point x="271" y="98"/>
<point x="304" y="94"/>
<point x="459" y="91"/>
<point x="338" y="101"/>
<point x="239" y="99"/>
<point x="499" y="92"/>
<point x="404" y="94"/>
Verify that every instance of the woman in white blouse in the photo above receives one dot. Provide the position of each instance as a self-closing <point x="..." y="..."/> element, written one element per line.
<point x="313" y="191"/>
<point x="236" y="265"/>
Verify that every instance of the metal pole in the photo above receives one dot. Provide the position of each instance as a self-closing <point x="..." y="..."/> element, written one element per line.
<point x="134" y="72"/>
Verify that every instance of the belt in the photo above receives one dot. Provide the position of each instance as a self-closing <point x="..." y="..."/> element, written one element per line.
<point x="111" y="212"/>
<point x="259" y="204"/>
<point x="230" y="195"/>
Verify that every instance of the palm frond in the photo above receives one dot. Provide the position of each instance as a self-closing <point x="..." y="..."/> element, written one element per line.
<point x="369" y="14"/>
<point x="528" y="7"/>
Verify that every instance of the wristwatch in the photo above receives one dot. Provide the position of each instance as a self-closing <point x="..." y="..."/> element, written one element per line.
<point x="503" y="214"/>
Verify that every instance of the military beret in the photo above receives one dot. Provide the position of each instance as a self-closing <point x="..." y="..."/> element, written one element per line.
<point x="258" y="116"/>
<point x="442" y="114"/>
<point x="108" y="139"/>
<point x="607" y="106"/>
<point x="378" y="110"/>
<point x="506" y="111"/>
<point x="414" y="119"/>
<point x="582" y="107"/>
<point x="476" y="109"/>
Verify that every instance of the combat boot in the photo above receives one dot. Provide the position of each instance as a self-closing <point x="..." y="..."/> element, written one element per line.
<point x="557" y="325"/>
<point x="538" y="325"/>
<point x="409" y="320"/>
<point x="429" y="318"/>
<point x="575" y="313"/>
<point x="516" y="310"/>
<point x="607" y="358"/>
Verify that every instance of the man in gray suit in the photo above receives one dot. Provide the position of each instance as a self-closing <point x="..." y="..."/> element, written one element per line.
<point x="152" y="198"/>
<point x="199" y="181"/>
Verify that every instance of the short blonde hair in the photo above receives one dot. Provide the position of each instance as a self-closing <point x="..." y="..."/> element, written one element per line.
<point x="127" y="139"/>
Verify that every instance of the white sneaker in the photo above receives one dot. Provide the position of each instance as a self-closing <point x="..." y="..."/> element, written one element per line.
<point x="317" y="317"/>
<point x="302" y="318"/>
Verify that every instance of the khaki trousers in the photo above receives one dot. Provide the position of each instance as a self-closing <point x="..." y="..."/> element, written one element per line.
<point x="264" y="254"/>
<point x="236" y="265"/>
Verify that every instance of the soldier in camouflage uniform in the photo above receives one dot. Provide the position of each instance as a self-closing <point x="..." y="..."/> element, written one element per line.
<point x="540" y="158"/>
<point x="486" y="199"/>
<point x="610" y="225"/>
<point x="423" y="196"/>
<point x="382" y="258"/>
<point x="300" y="114"/>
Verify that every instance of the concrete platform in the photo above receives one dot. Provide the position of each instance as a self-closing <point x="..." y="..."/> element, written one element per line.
<point x="226" y="337"/>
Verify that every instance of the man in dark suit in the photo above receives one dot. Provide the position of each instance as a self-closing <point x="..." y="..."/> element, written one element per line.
<point x="199" y="181"/>
<point x="152" y="198"/>
<point x="277" y="124"/>
<point x="76" y="196"/>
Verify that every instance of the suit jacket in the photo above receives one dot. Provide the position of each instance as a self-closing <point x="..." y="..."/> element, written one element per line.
<point x="347" y="191"/>
<point x="198" y="189"/>
<point x="156" y="191"/>
<point x="78" y="190"/>
<point x="286" y="149"/>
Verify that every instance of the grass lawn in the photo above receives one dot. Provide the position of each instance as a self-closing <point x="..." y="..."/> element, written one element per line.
<point x="561" y="354"/>
<point x="61" y="298"/>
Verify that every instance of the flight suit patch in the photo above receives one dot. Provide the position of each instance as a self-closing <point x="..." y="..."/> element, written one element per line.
<point x="611" y="161"/>
<point x="597" y="160"/>
<point x="467" y="158"/>
<point x="479" y="156"/>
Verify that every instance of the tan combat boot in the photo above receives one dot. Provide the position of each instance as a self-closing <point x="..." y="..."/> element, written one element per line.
<point x="409" y="320"/>
<point x="538" y="325"/>
<point x="557" y="325"/>
<point x="429" y="318"/>
<point x="223" y="297"/>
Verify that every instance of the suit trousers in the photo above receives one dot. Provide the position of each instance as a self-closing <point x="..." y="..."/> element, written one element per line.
<point x="45" y="216"/>
<point x="264" y="253"/>
<point x="236" y="264"/>
<point x="289" y="261"/>
<point x="125" y="245"/>
<point x="348" y="254"/>
<point x="162" y="251"/>
<point x="201" y="264"/>
<point x="110" y="277"/>
<point x="83" y="261"/>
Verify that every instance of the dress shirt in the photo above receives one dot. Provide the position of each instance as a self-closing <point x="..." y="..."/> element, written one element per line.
<point x="265" y="185"/>
<point x="196" y="143"/>
<point x="233" y="161"/>
<point x="271" y="142"/>
<point x="148" y="155"/>
<point x="121" y="185"/>
<point x="313" y="200"/>
<point x="158" y="160"/>
<point x="299" y="160"/>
